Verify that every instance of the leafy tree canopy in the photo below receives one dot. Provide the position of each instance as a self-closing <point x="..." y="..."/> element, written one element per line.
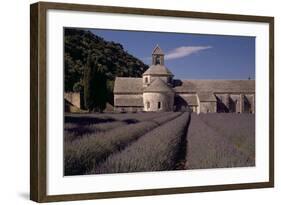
<point x="112" y="59"/>
<point x="95" y="89"/>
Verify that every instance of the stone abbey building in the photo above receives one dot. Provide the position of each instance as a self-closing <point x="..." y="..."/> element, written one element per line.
<point x="158" y="91"/>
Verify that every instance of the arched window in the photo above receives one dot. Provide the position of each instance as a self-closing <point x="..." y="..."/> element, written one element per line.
<point x="159" y="105"/>
<point x="147" y="105"/>
<point x="146" y="79"/>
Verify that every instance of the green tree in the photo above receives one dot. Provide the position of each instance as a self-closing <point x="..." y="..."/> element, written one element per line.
<point x="116" y="61"/>
<point x="78" y="87"/>
<point x="88" y="72"/>
<point x="95" y="89"/>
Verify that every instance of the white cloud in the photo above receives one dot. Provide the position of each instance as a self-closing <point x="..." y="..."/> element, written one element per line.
<point x="184" y="51"/>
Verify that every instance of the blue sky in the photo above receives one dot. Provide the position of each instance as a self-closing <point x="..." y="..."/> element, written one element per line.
<point x="191" y="56"/>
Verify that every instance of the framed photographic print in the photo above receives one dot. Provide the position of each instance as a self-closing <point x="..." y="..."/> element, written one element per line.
<point x="134" y="102"/>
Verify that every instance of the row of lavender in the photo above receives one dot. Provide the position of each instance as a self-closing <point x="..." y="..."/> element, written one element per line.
<point x="116" y="143"/>
<point x="88" y="151"/>
<point x="220" y="141"/>
<point x="79" y="126"/>
<point x="157" y="150"/>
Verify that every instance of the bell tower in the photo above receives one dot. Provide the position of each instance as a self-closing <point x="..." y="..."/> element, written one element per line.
<point x="157" y="69"/>
<point x="157" y="56"/>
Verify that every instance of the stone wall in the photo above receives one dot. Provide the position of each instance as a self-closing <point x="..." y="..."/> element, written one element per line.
<point x="128" y="99"/>
<point x="73" y="98"/>
<point x="235" y="104"/>
<point x="186" y="102"/>
<point x="193" y="109"/>
<point x="151" y="101"/>
<point x="238" y="103"/>
<point x="226" y="102"/>
<point x="127" y="109"/>
<point x="249" y="98"/>
<point x="208" y="107"/>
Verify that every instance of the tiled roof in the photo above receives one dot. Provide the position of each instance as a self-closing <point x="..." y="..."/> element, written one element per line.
<point x="128" y="85"/>
<point x="158" y="86"/>
<point x="158" y="70"/>
<point x="216" y="86"/>
<point x="204" y="88"/>
<point x="206" y="97"/>
<point x="190" y="100"/>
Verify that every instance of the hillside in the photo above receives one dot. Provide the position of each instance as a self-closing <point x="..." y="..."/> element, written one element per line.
<point x="78" y="44"/>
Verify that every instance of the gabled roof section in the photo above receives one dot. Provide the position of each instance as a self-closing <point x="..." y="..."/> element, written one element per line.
<point x="189" y="99"/>
<point x="158" y="86"/>
<point x="158" y="70"/>
<point x="127" y="85"/>
<point x="206" y="97"/>
<point x="157" y="51"/>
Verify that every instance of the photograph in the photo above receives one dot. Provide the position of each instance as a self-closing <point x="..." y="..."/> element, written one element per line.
<point x="143" y="101"/>
<point x="136" y="101"/>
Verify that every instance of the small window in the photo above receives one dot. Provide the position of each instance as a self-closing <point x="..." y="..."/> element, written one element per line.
<point x="159" y="105"/>
<point x="146" y="79"/>
<point x="148" y="105"/>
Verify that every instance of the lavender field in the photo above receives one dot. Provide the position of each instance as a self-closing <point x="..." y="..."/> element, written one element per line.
<point x="220" y="140"/>
<point x="140" y="142"/>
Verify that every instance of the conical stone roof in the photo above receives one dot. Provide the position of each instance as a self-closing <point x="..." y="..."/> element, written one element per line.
<point x="158" y="70"/>
<point x="158" y="85"/>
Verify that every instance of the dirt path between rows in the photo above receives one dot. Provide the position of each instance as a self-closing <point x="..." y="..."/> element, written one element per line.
<point x="181" y="156"/>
